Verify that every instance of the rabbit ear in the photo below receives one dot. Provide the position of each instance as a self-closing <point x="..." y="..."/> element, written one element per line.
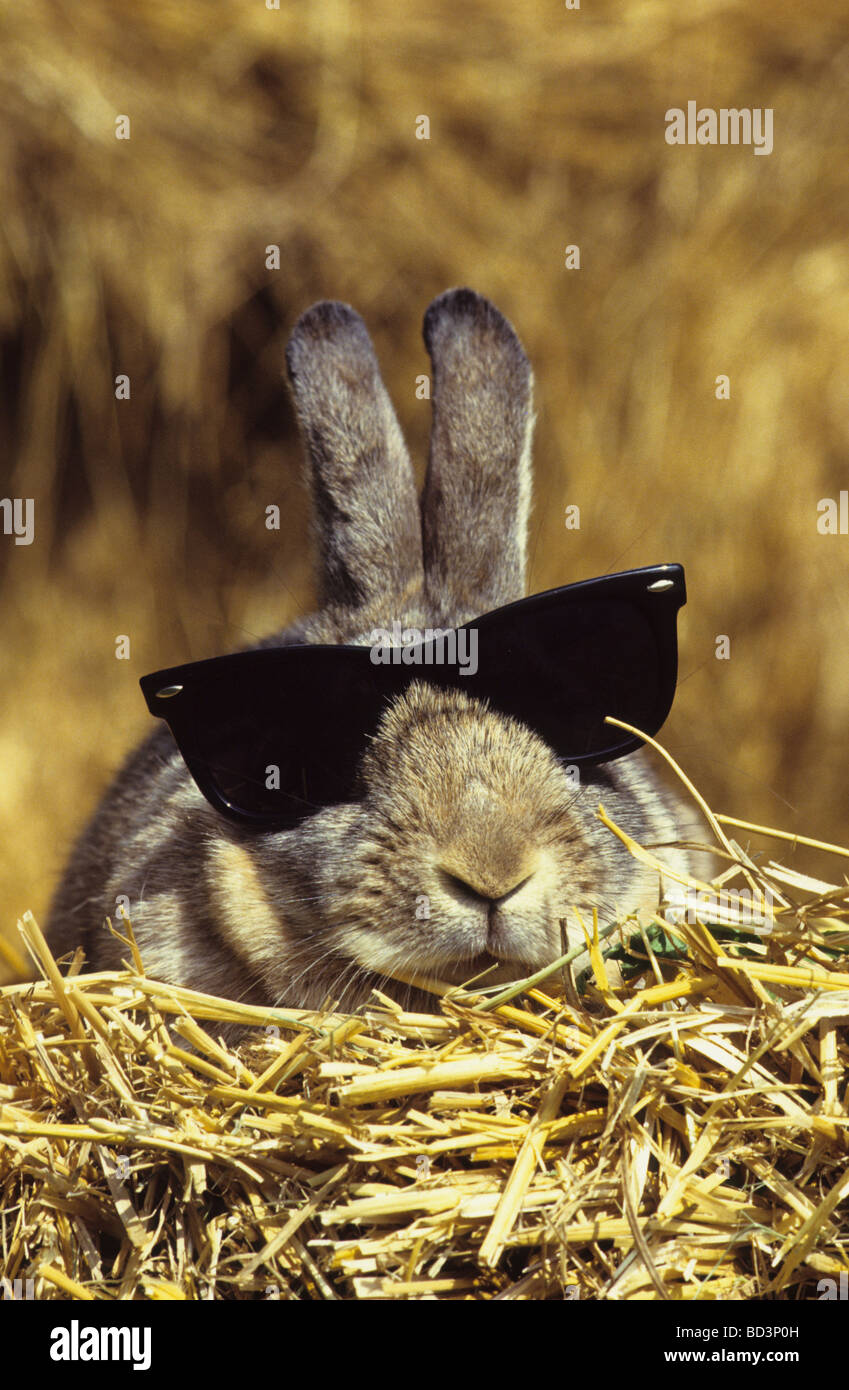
<point x="362" y="483"/>
<point x="478" y="486"/>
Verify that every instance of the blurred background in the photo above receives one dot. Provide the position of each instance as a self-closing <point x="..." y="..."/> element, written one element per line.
<point x="296" y="127"/>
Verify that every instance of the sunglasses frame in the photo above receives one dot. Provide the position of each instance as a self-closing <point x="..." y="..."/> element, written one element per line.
<point x="659" y="591"/>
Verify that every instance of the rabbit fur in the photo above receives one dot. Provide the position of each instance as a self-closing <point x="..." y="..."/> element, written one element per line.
<point x="469" y="845"/>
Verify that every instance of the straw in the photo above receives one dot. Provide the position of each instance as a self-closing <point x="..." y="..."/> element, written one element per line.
<point x="682" y="1134"/>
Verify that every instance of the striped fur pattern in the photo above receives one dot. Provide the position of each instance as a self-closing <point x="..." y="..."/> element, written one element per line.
<point x="469" y="845"/>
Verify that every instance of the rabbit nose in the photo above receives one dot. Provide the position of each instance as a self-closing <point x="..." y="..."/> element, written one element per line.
<point x="492" y="894"/>
<point x="482" y="848"/>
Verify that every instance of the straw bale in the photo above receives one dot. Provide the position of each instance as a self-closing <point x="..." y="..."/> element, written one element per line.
<point x="680" y="1135"/>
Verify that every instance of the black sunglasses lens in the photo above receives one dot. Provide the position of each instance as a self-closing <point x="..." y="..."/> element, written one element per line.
<point x="572" y="665"/>
<point x="282" y="747"/>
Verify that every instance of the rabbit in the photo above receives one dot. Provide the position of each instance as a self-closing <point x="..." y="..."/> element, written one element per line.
<point x="469" y="844"/>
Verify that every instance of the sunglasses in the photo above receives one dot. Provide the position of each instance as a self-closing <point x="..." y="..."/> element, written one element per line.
<point x="273" y="735"/>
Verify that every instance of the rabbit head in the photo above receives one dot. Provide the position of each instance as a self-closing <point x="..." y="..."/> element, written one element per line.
<point x="470" y="845"/>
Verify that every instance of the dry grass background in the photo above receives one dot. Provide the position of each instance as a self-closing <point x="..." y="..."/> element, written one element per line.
<point x="296" y="127"/>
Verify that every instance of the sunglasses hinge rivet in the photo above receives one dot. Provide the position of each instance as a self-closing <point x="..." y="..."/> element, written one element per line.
<point x="167" y="691"/>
